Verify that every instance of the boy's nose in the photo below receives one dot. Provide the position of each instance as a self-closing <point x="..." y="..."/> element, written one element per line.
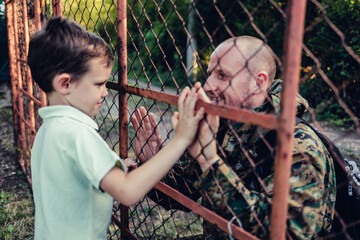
<point x="105" y="92"/>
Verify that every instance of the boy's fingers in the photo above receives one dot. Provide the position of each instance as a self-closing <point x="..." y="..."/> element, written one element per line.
<point x="191" y="101"/>
<point x="182" y="97"/>
<point x="202" y="95"/>
<point x="197" y="85"/>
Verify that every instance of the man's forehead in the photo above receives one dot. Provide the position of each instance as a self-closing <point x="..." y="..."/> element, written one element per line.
<point x="229" y="49"/>
<point x="224" y="55"/>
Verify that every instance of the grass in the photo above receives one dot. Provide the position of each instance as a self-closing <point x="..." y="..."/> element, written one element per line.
<point x="16" y="213"/>
<point x="150" y="221"/>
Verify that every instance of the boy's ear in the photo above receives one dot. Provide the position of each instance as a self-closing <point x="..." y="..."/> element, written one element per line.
<point x="62" y="83"/>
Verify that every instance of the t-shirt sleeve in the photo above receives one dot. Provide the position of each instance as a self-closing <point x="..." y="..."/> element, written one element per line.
<point x="94" y="157"/>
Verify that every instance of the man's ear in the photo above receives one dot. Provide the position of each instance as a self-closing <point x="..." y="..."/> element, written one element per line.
<point x="62" y="83"/>
<point x="262" y="80"/>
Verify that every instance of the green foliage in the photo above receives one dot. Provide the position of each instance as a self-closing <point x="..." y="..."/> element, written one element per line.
<point x="157" y="34"/>
<point x="87" y="14"/>
<point x="336" y="63"/>
<point x="157" y="41"/>
<point x="227" y="18"/>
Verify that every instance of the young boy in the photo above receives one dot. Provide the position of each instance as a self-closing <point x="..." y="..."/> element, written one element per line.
<point x="74" y="172"/>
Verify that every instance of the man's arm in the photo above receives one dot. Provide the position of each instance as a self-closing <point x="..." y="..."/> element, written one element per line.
<point x="311" y="191"/>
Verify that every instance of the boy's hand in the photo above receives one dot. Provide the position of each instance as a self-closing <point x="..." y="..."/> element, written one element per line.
<point x="148" y="138"/>
<point x="203" y="149"/>
<point x="185" y="122"/>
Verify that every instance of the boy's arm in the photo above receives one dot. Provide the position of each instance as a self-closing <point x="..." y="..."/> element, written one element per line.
<point x="130" y="188"/>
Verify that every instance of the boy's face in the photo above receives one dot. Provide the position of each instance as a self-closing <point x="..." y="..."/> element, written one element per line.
<point x="87" y="93"/>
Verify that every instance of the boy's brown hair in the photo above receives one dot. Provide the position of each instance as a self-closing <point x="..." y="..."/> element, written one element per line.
<point x="63" y="46"/>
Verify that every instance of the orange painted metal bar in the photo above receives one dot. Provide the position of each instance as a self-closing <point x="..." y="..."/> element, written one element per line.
<point x="268" y="121"/>
<point x="9" y="5"/>
<point x="19" y="93"/>
<point x="210" y="216"/>
<point x="31" y="97"/>
<point x="38" y="27"/>
<point x="122" y="76"/>
<point x="285" y="134"/>
<point x="37" y="15"/>
<point x="57" y="8"/>
<point x="29" y="81"/>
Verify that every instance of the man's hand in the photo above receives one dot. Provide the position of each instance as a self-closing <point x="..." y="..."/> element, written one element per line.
<point x="130" y="163"/>
<point x="203" y="148"/>
<point x="148" y="138"/>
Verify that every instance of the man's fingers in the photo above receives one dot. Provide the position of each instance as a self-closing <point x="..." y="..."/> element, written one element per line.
<point x="137" y="115"/>
<point x="157" y="130"/>
<point x="175" y="119"/>
<point x="135" y="123"/>
<point x="200" y="114"/>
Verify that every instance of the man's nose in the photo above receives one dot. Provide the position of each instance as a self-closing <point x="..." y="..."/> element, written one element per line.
<point x="209" y="85"/>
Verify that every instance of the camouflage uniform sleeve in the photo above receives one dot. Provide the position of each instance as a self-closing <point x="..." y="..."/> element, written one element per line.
<point x="312" y="192"/>
<point x="224" y="193"/>
<point x="312" y="186"/>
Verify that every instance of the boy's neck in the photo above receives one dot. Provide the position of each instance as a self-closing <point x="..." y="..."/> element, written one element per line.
<point x="56" y="99"/>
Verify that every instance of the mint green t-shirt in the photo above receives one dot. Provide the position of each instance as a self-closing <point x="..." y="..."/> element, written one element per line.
<point x="68" y="161"/>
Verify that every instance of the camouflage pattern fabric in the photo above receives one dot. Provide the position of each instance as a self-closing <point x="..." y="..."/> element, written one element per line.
<point x="241" y="182"/>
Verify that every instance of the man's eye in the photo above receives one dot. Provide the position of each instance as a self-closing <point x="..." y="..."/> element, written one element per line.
<point x="222" y="76"/>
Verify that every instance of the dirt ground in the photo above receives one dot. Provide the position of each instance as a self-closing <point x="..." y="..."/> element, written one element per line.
<point x="11" y="175"/>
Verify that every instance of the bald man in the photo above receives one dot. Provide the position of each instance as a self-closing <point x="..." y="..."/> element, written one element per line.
<point x="236" y="180"/>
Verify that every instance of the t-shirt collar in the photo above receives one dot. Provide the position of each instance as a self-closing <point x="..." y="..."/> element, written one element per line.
<point x="67" y="111"/>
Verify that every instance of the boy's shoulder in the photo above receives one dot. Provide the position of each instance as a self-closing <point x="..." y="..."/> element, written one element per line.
<point x="67" y="116"/>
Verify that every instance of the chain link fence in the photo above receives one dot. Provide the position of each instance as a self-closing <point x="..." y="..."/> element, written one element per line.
<point x="162" y="46"/>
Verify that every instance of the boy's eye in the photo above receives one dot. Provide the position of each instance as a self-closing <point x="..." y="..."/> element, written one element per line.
<point x="100" y="84"/>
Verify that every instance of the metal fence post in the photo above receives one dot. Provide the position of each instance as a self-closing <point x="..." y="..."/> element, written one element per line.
<point x="57" y="8"/>
<point x="12" y="65"/>
<point x="37" y="28"/>
<point x="286" y="121"/>
<point x="122" y="76"/>
<point x="28" y="74"/>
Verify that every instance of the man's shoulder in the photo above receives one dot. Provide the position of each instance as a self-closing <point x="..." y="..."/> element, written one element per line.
<point x="307" y="141"/>
<point x="304" y="133"/>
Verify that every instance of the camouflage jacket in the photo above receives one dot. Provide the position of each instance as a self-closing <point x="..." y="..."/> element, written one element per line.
<point x="241" y="182"/>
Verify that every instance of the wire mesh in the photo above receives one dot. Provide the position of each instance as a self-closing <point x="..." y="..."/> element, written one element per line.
<point x="169" y="46"/>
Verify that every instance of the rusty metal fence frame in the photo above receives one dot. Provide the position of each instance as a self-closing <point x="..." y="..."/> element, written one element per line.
<point x="26" y="121"/>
